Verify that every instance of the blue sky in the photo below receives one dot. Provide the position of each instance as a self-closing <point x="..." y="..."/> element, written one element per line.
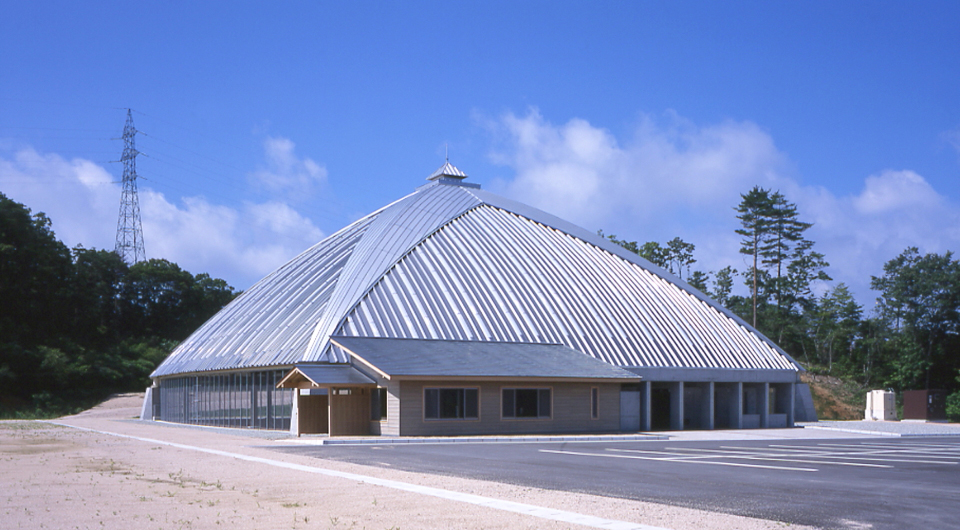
<point x="266" y="127"/>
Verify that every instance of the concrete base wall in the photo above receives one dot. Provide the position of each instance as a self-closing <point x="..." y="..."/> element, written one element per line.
<point x="803" y="409"/>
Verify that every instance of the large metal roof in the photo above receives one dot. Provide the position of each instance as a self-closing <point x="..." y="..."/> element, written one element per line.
<point x="453" y="262"/>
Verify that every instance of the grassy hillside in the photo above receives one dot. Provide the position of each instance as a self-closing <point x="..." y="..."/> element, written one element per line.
<point x="835" y="398"/>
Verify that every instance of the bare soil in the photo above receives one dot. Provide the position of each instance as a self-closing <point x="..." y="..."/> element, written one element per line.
<point x="834" y="398"/>
<point x="55" y="476"/>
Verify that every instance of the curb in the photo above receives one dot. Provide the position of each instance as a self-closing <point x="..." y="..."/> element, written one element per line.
<point x="479" y="439"/>
<point x="882" y="433"/>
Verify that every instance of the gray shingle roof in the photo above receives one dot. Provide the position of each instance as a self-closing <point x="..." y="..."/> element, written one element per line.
<point x="327" y="374"/>
<point x="412" y="358"/>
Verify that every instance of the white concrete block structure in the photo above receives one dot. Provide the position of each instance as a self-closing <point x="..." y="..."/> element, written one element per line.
<point x="456" y="311"/>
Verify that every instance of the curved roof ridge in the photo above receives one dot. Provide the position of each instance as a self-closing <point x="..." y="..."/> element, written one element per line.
<point x="401" y="227"/>
<point x="260" y="327"/>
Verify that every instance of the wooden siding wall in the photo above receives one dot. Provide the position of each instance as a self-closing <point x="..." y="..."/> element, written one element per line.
<point x="312" y="414"/>
<point x="350" y="415"/>
<point x="392" y="426"/>
<point x="571" y="410"/>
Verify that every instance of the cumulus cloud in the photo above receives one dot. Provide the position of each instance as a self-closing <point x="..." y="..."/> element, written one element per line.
<point x="238" y="243"/>
<point x="287" y="175"/>
<point x="667" y="168"/>
<point x="673" y="177"/>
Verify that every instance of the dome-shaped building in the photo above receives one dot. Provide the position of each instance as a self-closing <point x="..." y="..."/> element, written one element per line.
<point x="456" y="311"/>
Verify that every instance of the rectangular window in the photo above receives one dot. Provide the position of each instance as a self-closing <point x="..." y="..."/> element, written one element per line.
<point x="526" y="403"/>
<point x="378" y="404"/>
<point x="451" y="403"/>
<point x="594" y="403"/>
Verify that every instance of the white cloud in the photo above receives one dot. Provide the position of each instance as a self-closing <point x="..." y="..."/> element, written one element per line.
<point x="893" y="191"/>
<point x="669" y="169"/>
<point x="240" y="244"/>
<point x="677" y="178"/>
<point x="285" y="174"/>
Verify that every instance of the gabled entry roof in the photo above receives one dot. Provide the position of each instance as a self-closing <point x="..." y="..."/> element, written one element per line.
<point x="324" y="375"/>
<point x="442" y="359"/>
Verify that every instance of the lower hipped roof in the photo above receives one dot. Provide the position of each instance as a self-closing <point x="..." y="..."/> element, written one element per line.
<point x="412" y="358"/>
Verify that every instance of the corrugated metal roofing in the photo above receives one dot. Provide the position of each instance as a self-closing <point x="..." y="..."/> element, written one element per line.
<point x="491" y="275"/>
<point x="419" y="358"/>
<point x="452" y="262"/>
<point x="272" y="322"/>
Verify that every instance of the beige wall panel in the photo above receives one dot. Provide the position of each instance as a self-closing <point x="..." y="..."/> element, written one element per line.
<point x="312" y="413"/>
<point x="571" y="410"/>
<point x="350" y="415"/>
<point x="392" y="426"/>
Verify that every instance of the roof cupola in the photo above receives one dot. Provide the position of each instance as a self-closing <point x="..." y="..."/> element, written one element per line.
<point x="449" y="174"/>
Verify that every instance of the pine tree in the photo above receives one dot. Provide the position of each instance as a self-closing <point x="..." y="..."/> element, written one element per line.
<point x="755" y="212"/>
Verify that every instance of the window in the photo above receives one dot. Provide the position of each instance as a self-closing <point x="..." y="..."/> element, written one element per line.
<point x="378" y="404"/>
<point x="451" y="403"/>
<point x="594" y="403"/>
<point x="526" y="403"/>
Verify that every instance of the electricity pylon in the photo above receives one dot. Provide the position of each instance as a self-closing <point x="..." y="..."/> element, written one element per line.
<point x="129" y="232"/>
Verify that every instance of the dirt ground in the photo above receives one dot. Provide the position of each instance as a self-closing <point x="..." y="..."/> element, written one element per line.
<point x="54" y="476"/>
<point x="833" y="398"/>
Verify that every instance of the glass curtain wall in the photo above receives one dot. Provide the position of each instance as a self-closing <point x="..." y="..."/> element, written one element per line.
<point x="239" y="399"/>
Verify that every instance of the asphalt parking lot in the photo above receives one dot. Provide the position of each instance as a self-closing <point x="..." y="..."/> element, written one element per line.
<point x="870" y="482"/>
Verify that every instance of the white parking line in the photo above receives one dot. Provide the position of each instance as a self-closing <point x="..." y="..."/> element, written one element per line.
<point x="813" y="452"/>
<point x="902" y="450"/>
<point x="489" y="502"/>
<point x="681" y="460"/>
<point x="743" y="455"/>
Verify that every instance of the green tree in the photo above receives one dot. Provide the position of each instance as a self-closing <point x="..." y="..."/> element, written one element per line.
<point x="784" y="242"/>
<point x="784" y="264"/>
<point x="35" y="270"/>
<point x="920" y="299"/>
<point x="723" y="285"/>
<point x="76" y="326"/>
<point x="162" y="300"/>
<point x="835" y="323"/>
<point x="679" y="256"/>
<point x="97" y="295"/>
<point x="754" y="212"/>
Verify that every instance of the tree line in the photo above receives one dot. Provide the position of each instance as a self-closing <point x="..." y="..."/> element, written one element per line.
<point x="911" y="339"/>
<point x="79" y="324"/>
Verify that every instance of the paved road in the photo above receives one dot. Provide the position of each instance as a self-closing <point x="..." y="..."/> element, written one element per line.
<point x="884" y="483"/>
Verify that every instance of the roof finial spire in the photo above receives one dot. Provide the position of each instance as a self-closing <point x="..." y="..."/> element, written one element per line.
<point x="446" y="152"/>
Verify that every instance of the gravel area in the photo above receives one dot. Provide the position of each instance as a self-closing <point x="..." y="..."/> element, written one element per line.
<point x="889" y="428"/>
<point x="53" y="476"/>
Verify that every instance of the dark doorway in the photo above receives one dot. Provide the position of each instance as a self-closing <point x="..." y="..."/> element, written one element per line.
<point x="660" y="409"/>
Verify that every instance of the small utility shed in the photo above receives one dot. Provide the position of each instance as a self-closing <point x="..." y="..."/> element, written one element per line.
<point x="456" y="311"/>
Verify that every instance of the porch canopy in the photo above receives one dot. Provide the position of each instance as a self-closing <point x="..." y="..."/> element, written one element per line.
<point x="324" y="375"/>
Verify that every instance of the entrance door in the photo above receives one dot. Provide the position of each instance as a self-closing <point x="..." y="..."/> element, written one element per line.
<point x="313" y="413"/>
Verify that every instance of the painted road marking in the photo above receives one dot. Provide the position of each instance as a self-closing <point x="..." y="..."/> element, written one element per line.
<point x="743" y="455"/>
<point x="843" y="455"/>
<point x="678" y="458"/>
<point x="489" y="502"/>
